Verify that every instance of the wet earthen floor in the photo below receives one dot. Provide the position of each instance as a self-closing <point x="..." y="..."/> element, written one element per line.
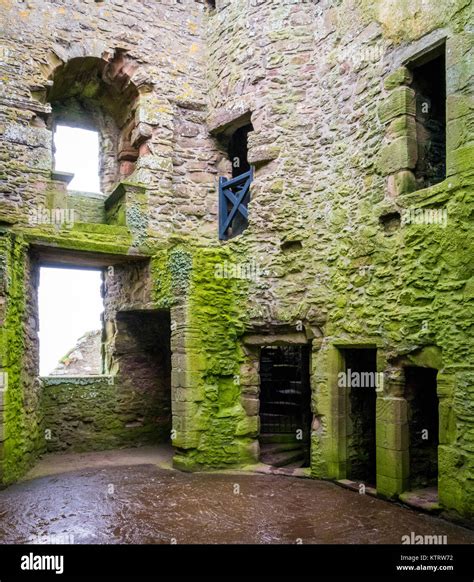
<point x="145" y="504"/>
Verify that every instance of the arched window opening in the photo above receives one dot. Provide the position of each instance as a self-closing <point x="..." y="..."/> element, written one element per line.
<point x="96" y="95"/>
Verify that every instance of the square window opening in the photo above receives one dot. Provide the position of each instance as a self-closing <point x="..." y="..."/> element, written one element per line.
<point x="70" y="307"/>
<point x="429" y="84"/>
<point x="76" y="151"/>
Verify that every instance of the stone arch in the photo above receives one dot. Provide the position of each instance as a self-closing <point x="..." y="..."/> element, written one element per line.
<point x="96" y="90"/>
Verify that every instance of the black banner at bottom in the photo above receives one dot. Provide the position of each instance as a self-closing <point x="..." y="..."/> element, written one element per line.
<point x="169" y="562"/>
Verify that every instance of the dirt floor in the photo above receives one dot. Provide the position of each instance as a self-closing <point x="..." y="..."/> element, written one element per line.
<point x="133" y="496"/>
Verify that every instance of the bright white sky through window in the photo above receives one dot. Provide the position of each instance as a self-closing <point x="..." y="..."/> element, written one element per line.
<point x="77" y="151"/>
<point x="70" y="304"/>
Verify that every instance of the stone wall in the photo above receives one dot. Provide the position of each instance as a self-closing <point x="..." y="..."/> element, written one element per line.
<point x="56" y="52"/>
<point x="336" y="249"/>
<point x="332" y="199"/>
<point x="94" y="413"/>
<point x="21" y="440"/>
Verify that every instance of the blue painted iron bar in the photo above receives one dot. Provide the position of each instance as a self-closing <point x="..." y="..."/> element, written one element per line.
<point x="222" y="210"/>
<point x="233" y="198"/>
<point x="233" y="212"/>
<point x="237" y="179"/>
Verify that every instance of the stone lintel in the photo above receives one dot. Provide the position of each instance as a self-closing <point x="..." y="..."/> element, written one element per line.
<point x="296" y="338"/>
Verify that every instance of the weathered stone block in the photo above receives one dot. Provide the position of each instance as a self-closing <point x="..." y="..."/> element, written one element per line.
<point x="249" y="375"/>
<point x="251" y="405"/>
<point x="459" y="105"/>
<point x="263" y="153"/>
<point x="391" y="435"/>
<point x="154" y="110"/>
<point x="223" y="119"/>
<point x="459" y="76"/>
<point x="390" y="487"/>
<point x="248" y="426"/>
<point x="405" y="182"/>
<point x="445" y="385"/>
<point x="402" y="126"/>
<point x="336" y="470"/>
<point x="185" y="423"/>
<point x="460" y="160"/>
<point x="401" y="76"/>
<point x="140" y="134"/>
<point x="447" y="423"/>
<point x="185" y="408"/>
<point x="458" y="134"/>
<point x="185" y="378"/>
<point x="451" y="481"/>
<point x="188" y="394"/>
<point x="399" y="102"/>
<point x="391" y="410"/>
<point x="401" y="154"/>
<point x="427" y="357"/>
<point x="392" y="463"/>
<point x="275" y="339"/>
<point x="402" y="182"/>
<point x="248" y="451"/>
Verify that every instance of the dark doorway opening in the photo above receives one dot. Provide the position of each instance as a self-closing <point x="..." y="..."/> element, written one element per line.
<point x="142" y="354"/>
<point x="238" y="150"/>
<point x="429" y="83"/>
<point x="285" y="406"/>
<point x="423" y="420"/>
<point x="361" y="381"/>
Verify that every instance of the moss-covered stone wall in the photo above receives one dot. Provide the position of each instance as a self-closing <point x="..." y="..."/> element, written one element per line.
<point x="21" y="412"/>
<point x="96" y="413"/>
<point x="334" y="204"/>
<point x="210" y="425"/>
<point x="215" y="321"/>
<point x="345" y="248"/>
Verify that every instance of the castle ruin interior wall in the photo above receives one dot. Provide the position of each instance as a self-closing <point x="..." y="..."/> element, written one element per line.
<point x="333" y="241"/>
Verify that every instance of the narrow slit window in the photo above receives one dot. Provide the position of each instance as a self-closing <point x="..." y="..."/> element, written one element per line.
<point x="234" y="194"/>
<point x="76" y="151"/>
<point x="429" y="84"/>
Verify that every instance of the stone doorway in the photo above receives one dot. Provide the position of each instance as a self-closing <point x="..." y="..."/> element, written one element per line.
<point x="141" y="357"/>
<point x="423" y="423"/>
<point x="285" y="411"/>
<point x="361" y="379"/>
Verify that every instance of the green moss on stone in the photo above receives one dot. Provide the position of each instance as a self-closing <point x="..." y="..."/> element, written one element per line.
<point x="22" y="442"/>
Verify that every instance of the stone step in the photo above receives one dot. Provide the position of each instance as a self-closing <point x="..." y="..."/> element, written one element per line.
<point x="276" y="427"/>
<point x="269" y="437"/>
<point x="289" y="391"/>
<point x="273" y="403"/>
<point x="281" y="458"/>
<point x="287" y="408"/>
<point x="277" y="416"/>
<point x="280" y="447"/>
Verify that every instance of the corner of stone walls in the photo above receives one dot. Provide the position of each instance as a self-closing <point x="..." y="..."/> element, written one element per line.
<point x="21" y="427"/>
<point x="211" y="427"/>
